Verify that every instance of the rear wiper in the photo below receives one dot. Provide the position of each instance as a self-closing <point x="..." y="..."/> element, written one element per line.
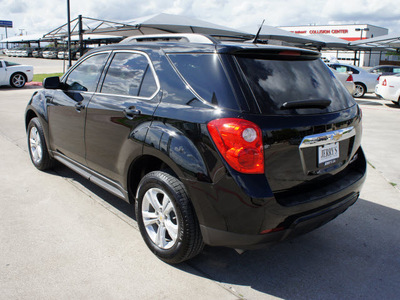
<point x="306" y="104"/>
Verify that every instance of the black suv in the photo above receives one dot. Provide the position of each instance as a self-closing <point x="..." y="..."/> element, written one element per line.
<point x="218" y="143"/>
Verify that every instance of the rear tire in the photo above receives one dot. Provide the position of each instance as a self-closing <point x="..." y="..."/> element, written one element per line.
<point x="359" y="90"/>
<point x="166" y="218"/>
<point x="37" y="146"/>
<point x="17" y="80"/>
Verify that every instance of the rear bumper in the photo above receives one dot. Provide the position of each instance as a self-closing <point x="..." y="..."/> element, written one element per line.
<point x="301" y="224"/>
<point x="246" y="226"/>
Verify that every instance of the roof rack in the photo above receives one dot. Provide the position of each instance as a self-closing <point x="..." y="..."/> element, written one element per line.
<point x="173" y="37"/>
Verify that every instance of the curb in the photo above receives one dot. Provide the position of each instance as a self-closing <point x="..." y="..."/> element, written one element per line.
<point x="33" y="83"/>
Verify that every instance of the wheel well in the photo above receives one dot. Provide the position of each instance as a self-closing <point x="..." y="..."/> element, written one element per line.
<point x="30" y="114"/>
<point x="22" y="73"/>
<point x="360" y="83"/>
<point x="140" y="167"/>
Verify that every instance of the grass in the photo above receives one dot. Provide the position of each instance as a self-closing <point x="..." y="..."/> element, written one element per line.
<point x="40" y="77"/>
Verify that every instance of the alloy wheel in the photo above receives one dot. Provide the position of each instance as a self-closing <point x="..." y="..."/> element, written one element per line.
<point x="160" y="218"/>
<point x="35" y="145"/>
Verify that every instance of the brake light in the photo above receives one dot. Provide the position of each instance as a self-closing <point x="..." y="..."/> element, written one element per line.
<point x="240" y="143"/>
<point x="350" y="78"/>
<point x="290" y="53"/>
<point x="384" y="82"/>
<point x="378" y="78"/>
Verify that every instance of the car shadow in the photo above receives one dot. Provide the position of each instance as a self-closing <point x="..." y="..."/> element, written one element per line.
<point x="26" y="87"/>
<point x="121" y="205"/>
<point x="357" y="255"/>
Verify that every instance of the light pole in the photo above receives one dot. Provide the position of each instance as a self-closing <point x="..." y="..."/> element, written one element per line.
<point x="69" y="35"/>
<point x="361" y="29"/>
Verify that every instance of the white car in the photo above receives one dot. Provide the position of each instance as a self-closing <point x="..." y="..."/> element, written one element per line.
<point x="389" y="88"/>
<point x="15" y="74"/>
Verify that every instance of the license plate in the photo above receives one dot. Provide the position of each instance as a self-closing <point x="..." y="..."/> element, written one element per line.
<point x="328" y="154"/>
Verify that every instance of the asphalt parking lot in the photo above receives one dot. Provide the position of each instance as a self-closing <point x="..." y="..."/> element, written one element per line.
<point x="63" y="237"/>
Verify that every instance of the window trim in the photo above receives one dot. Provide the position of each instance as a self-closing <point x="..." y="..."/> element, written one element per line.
<point x="108" y="64"/>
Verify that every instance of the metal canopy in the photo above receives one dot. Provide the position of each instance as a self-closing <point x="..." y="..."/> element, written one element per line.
<point x="168" y="23"/>
<point x="154" y="24"/>
<point x="24" y="39"/>
<point x="389" y="40"/>
<point x="274" y="33"/>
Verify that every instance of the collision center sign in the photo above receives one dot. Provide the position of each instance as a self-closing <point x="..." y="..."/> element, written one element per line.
<point x="322" y="31"/>
<point x="4" y="23"/>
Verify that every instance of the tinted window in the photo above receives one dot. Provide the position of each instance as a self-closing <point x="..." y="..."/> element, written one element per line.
<point x="10" y="63"/>
<point x="396" y="70"/>
<point x="275" y="82"/>
<point x="148" y="86"/>
<point x="86" y="75"/>
<point x="355" y="71"/>
<point x="205" y="74"/>
<point x="125" y="76"/>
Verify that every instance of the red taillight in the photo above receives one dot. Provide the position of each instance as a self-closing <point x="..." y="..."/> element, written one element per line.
<point x="350" y="78"/>
<point x="384" y="82"/>
<point x="240" y="143"/>
<point x="378" y="78"/>
<point x="290" y="53"/>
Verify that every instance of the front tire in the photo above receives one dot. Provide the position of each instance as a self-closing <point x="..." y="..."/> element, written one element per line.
<point x="17" y="80"/>
<point x="37" y="146"/>
<point x="166" y="218"/>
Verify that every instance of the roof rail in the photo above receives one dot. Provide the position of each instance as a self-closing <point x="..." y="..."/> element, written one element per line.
<point x="173" y="37"/>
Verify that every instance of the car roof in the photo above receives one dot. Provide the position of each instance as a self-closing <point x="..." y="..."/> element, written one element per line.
<point x="222" y="47"/>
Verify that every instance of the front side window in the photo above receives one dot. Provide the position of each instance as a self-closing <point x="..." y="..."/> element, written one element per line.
<point x="86" y="75"/>
<point x="129" y="74"/>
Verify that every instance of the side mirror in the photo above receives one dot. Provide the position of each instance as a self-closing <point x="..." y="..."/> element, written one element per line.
<point x="52" y="83"/>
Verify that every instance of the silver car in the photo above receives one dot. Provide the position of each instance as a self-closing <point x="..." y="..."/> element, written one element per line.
<point x="365" y="82"/>
<point x="347" y="80"/>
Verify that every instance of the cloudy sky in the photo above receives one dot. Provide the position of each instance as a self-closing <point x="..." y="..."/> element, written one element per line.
<point x="41" y="16"/>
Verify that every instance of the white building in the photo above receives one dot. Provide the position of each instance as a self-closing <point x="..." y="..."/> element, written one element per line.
<point x="349" y="33"/>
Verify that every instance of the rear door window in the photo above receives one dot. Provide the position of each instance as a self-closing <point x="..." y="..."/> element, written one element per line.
<point x="129" y="74"/>
<point x="274" y="82"/>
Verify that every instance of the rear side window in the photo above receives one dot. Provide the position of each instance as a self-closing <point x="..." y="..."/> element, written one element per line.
<point x="129" y="74"/>
<point x="274" y="82"/>
<point x="205" y="74"/>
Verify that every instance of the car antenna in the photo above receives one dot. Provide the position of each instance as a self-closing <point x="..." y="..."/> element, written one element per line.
<point x="258" y="33"/>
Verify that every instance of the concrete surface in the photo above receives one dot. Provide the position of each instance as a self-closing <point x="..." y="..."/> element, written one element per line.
<point x="62" y="237"/>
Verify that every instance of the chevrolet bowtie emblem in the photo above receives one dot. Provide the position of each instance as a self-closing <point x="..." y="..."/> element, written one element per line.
<point x="337" y="136"/>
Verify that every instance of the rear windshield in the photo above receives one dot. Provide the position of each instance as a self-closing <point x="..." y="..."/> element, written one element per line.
<point x="274" y="82"/>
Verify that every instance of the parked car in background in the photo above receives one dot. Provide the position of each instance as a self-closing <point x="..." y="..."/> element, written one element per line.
<point x="364" y="81"/>
<point x="347" y="80"/>
<point x="26" y="52"/>
<point x="38" y="53"/>
<point x="65" y="53"/>
<point x="78" y="53"/>
<point x="385" y="70"/>
<point x="389" y="88"/>
<point x="15" y="74"/>
<point x="52" y="53"/>
<point x="225" y="144"/>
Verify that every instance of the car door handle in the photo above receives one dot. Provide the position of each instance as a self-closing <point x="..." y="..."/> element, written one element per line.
<point x="79" y="106"/>
<point x="131" y="112"/>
